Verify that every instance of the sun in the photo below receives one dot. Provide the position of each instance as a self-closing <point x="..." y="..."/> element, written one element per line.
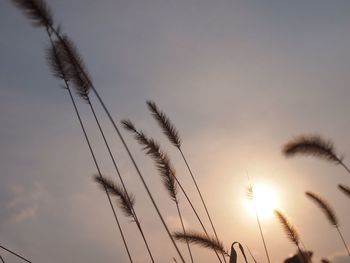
<point x="261" y="199"/>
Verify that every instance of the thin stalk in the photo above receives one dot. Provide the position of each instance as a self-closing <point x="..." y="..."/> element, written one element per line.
<point x="344" y="166"/>
<point x="15" y="254"/>
<point x="130" y="156"/>
<point x="100" y="174"/>
<point x="195" y="212"/>
<point x="183" y="229"/>
<point x="200" y="195"/>
<point x="302" y="254"/>
<point x="120" y="178"/>
<point x="67" y="86"/>
<point x="2" y="260"/>
<point x="262" y="236"/>
<point x="342" y="238"/>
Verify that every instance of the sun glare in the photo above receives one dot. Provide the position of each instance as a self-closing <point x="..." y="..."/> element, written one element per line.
<point x="262" y="199"/>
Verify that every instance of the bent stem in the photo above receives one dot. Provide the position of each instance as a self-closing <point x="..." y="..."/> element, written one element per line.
<point x="121" y="179"/>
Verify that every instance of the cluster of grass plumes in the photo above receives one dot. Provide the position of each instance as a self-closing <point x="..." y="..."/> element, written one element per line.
<point x="67" y="65"/>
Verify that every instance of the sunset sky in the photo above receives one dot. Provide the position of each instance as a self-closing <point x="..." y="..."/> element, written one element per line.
<point x="237" y="78"/>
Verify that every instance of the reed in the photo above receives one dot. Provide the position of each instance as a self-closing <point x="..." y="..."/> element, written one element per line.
<point x="314" y="145"/>
<point x="15" y="254"/>
<point x="164" y="166"/>
<point x="344" y="189"/>
<point x="329" y="213"/>
<point x="2" y="260"/>
<point x="250" y="196"/>
<point x="291" y="233"/>
<point x="173" y="135"/>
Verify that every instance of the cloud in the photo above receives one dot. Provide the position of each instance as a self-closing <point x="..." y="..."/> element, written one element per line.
<point x="25" y="201"/>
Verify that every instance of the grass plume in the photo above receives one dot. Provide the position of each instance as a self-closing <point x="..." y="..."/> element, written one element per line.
<point x="288" y="228"/>
<point x="126" y="200"/>
<point x="173" y="135"/>
<point x="325" y="207"/>
<point x="344" y="189"/>
<point x="37" y="11"/>
<point x="202" y="240"/>
<point x="330" y="214"/>
<point x="314" y="145"/>
<point x="168" y="128"/>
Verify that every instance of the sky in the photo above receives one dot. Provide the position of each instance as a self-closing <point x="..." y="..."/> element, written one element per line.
<point x="237" y="78"/>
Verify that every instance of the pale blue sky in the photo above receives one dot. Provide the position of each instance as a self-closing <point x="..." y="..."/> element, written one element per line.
<point x="238" y="78"/>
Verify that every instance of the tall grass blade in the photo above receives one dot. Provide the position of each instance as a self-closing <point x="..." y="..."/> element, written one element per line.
<point x="233" y="256"/>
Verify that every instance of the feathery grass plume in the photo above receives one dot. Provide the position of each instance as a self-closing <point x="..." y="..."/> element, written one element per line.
<point x="165" y="123"/>
<point x="55" y="61"/>
<point x="74" y="66"/>
<point x="161" y="159"/>
<point x="201" y="240"/>
<point x="330" y="214"/>
<point x="171" y="132"/>
<point x="290" y="231"/>
<point x="126" y="200"/>
<point x="15" y="254"/>
<point x="165" y="168"/>
<point x="250" y="196"/>
<point x="313" y="145"/>
<point x="345" y="189"/>
<point x="37" y="11"/>
<point x="325" y="207"/>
